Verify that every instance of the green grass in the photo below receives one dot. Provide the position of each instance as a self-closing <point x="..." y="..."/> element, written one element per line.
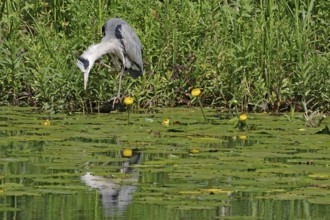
<point x="267" y="55"/>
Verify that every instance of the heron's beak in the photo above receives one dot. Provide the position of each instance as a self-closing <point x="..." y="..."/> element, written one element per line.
<point x="86" y="79"/>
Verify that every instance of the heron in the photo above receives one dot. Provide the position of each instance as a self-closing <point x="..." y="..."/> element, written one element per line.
<point x="123" y="46"/>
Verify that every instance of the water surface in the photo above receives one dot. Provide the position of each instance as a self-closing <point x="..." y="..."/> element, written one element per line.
<point x="79" y="167"/>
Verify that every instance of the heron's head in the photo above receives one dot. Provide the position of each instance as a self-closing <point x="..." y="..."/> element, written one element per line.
<point x="85" y="67"/>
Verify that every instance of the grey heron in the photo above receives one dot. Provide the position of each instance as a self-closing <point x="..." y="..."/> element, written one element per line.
<point x="122" y="44"/>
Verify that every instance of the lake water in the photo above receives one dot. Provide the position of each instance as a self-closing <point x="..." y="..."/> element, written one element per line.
<point x="100" y="167"/>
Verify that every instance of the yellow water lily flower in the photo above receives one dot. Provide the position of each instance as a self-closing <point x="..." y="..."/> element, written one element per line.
<point x="242" y="137"/>
<point x="166" y="122"/>
<point x="127" y="152"/>
<point x="194" y="151"/>
<point x="243" y="117"/>
<point x="45" y="122"/>
<point x="128" y="100"/>
<point x="195" y="92"/>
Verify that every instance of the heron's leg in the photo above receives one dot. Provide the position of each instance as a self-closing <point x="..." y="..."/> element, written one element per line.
<point x="117" y="99"/>
<point x="119" y="83"/>
<point x="121" y="75"/>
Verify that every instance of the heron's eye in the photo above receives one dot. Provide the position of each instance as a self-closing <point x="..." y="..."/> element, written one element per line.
<point x="103" y="30"/>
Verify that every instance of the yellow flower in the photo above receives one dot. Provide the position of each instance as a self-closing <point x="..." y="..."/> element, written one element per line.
<point x="166" y="122"/>
<point x="195" y="92"/>
<point x="127" y="153"/>
<point x="128" y="100"/>
<point x="45" y="122"/>
<point x="194" y="151"/>
<point x="243" y="117"/>
<point x="242" y="137"/>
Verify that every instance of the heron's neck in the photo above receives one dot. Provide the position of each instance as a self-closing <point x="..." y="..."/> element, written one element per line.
<point x="95" y="51"/>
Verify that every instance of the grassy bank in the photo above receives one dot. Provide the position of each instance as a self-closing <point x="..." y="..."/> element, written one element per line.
<point x="268" y="55"/>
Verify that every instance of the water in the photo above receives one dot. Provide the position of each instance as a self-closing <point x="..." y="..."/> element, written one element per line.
<point x="99" y="167"/>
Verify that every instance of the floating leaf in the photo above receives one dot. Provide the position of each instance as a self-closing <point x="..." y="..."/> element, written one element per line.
<point x="319" y="176"/>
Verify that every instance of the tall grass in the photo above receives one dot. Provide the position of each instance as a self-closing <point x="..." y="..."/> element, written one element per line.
<point x="268" y="55"/>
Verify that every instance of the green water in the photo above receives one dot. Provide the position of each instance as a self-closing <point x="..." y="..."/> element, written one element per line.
<point x="75" y="168"/>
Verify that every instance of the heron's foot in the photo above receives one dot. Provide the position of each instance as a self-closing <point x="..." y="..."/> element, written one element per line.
<point x="116" y="101"/>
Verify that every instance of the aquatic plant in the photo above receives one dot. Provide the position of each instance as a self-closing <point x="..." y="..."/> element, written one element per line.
<point x="233" y="104"/>
<point x="194" y="151"/>
<point x="127" y="153"/>
<point x="166" y="122"/>
<point x="191" y="170"/>
<point x="46" y="122"/>
<point x="195" y="93"/>
<point x="240" y="122"/>
<point x="312" y="118"/>
<point x="291" y="116"/>
<point x="128" y="101"/>
<point x="243" y="117"/>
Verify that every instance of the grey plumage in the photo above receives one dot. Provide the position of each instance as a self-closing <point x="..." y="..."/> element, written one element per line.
<point x="121" y="43"/>
<point x="120" y="29"/>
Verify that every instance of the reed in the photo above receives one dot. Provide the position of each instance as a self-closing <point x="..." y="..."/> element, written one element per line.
<point x="275" y="52"/>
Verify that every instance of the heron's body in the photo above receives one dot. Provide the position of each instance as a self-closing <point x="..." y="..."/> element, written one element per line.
<point x="121" y="43"/>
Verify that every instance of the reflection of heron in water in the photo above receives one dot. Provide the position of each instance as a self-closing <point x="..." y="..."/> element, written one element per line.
<point x="115" y="197"/>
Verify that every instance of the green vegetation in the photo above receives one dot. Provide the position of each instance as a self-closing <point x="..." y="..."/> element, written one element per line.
<point x="268" y="55"/>
<point x="186" y="167"/>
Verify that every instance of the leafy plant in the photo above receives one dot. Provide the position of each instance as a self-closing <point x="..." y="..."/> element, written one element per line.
<point x="268" y="55"/>
<point x="312" y="118"/>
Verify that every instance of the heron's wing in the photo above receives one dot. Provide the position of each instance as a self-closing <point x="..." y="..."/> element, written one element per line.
<point x="132" y="44"/>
